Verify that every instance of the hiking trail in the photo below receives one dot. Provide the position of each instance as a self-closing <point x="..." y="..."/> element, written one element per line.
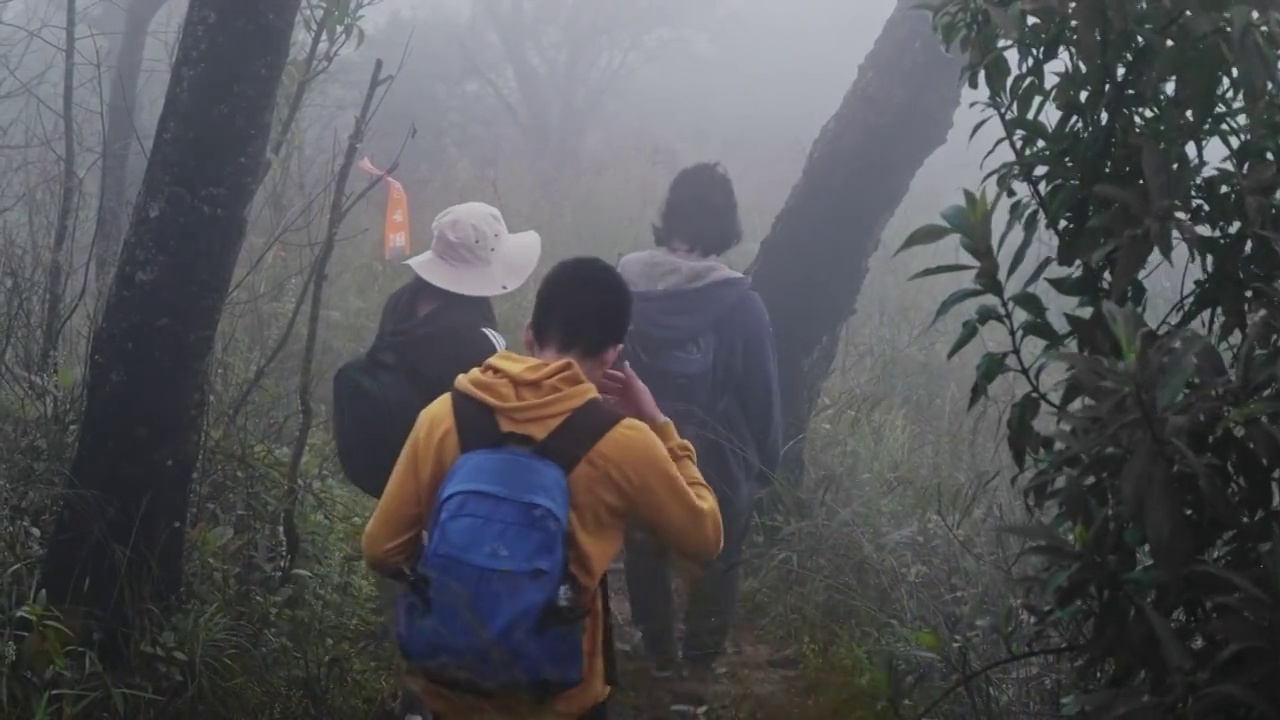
<point x="754" y="679"/>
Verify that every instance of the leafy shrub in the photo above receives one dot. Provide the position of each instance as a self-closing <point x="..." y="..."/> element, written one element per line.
<point x="1141" y="146"/>
<point x="244" y="645"/>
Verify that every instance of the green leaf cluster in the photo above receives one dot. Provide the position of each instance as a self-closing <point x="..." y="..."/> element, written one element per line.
<point x="1134" y="282"/>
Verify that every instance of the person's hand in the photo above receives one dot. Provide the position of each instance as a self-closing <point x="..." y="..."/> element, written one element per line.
<point x="624" y="390"/>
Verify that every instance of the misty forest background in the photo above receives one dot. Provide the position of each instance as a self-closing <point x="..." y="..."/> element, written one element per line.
<point x="1060" y="503"/>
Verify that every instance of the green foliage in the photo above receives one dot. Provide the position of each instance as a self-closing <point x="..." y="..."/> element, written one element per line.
<point x="1141" y="143"/>
<point x="244" y="645"/>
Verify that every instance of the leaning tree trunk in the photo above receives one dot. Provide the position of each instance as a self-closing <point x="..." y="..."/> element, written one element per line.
<point x="125" y="65"/>
<point x="118" y="542"/>
<point x="810" y="267"/>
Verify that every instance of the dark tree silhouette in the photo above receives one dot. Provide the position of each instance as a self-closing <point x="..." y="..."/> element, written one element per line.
<point x="118" y="542"/>
<point x="129" y="25"/>
<point x="51" y="326"/>
<point x="811" y="265"/>
<point x="553" y="62"/>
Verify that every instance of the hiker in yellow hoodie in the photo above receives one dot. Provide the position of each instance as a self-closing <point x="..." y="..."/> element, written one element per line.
<point x="478" y="514"/>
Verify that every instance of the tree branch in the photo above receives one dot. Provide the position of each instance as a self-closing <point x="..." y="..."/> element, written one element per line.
<point x="972" y="675"/>
<point x="54" y="290"/>
<point x="305" y="371"/>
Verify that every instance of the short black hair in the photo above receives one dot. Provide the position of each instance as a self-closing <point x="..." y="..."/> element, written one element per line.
<point x="452" y="303"/>
<point x="430" y="291"/>
<point x="583" y="307"/>
<point x="700" y="212"/>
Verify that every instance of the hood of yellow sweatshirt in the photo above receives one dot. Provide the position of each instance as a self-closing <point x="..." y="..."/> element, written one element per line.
<point x="526" y="389"/>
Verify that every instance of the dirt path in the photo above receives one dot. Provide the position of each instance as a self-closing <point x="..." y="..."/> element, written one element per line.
<point x="755" y="682"/>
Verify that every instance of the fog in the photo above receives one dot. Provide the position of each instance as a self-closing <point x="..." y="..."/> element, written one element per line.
<point x="572" y="118"/>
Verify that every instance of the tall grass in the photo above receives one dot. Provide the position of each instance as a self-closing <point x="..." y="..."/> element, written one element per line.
<point x="887" y="587"/>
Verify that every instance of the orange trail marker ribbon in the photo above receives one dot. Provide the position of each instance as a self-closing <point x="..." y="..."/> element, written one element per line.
<point x="395" y="231"/>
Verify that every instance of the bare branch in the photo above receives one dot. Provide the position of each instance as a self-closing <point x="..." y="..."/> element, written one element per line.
<point x="54" y="290"/>
<point x="336" y="213"/>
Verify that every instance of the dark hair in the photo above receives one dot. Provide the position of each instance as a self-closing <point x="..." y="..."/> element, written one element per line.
<point x="400" y="311"/>
<point x="479" y="309"/>
<point x="700" y="212"/>
<point x="583" y="306"/>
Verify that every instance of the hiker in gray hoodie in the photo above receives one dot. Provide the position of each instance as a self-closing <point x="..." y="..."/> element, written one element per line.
<point x="701" y="340"/>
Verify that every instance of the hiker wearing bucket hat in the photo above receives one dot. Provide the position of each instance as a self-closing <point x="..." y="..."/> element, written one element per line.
<point x="436" y="327"/>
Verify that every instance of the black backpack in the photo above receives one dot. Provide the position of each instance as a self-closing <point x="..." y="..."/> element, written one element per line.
<point x="375" y="405"/>
<point x="681" y="374"/>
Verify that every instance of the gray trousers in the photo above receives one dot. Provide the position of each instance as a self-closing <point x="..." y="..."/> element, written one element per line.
<point x="713" y="597"/>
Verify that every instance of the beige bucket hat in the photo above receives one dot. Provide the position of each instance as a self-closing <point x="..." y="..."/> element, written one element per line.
<point x="472" y="252"/>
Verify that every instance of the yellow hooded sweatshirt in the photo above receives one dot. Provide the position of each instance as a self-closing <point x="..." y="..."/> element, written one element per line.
<point x="635" y="473"/>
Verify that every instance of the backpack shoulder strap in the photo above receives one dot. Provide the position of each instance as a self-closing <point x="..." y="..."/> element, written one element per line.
<point x="574" y="437"/>
<point x="610" y="645"/>
<point x="476" y="424"/>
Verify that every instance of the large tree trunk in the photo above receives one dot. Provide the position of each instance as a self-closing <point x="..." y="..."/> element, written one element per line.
<point x="128" y="48"/>
<point x="118" y="543"/>
<point x="810" y="267"/>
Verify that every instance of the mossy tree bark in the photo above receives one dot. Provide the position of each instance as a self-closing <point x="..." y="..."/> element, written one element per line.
<point x="119" y="539"/>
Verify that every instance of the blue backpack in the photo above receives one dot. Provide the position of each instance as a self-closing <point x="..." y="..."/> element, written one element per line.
<point x="492" y="609"/>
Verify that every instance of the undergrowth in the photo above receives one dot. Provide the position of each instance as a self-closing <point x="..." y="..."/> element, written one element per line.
<point x="891" y="586"/>
<point x="887" y="588"/>
<point x="245" y="643"/>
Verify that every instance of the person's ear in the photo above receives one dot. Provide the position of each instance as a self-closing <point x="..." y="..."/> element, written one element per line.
<point x="611" y="356"/>
<point x="529" y="343"/>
